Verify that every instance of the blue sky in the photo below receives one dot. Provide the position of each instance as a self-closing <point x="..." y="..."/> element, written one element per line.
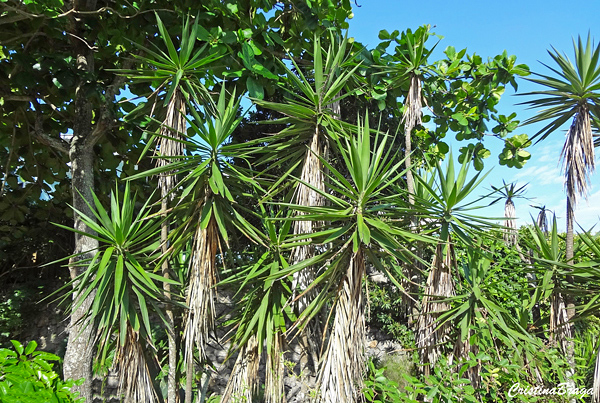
<point x="526" y="29"/>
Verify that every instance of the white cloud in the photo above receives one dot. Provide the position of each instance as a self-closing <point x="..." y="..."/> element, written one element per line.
<point x="547" y="153"/>
<point x="587" y="213"/>
<point x="541" y="175"/>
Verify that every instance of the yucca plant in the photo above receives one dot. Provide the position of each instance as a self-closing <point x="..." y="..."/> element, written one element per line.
<point x="573" y="94"/>
<point x="480" y="299"/>
<point x="126" y="292"/>
<point x="542" y="219"/>
<point x="509" y="192"/>
<point x="177" y="75"/>
<point x="549" y="263"/>
<point x="207" y="208"/>
<point x="264" y="311"/>
<point x="360" y="229"/>
<point x="312" y="126"/>
<point x="408" y="70"/>
<point x="445" y="212"/>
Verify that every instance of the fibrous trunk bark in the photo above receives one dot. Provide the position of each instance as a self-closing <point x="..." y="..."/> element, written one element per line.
<point x="169" y="146"/>
<point x="312" y="173"/>
<point x="242" y="384"/>
<point x="274" y="388"/>
<point x="171" y="335"/>
<point x="510" y="232"/>
<point x="430" y="336"/>
<point x="200" y="299"/>
<point x="343" y="365"/>
<point x="412" y="118"/>
<point x="135" y="382"/>
<point x="463" y="350"/>
<point x="568" y="344"/>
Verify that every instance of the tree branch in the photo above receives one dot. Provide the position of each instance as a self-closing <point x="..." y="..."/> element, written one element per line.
<point x="21" y="14"/>
<point x="56" y="143"/>
<point x="107" y="119"/>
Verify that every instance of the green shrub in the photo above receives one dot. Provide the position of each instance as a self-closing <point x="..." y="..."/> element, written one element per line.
<point x="27" y="376"/>
<point x="378" y="388"/>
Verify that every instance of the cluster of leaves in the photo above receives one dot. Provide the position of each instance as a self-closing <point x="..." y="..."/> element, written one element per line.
<point x="27" y="376"/>
<point x="461" y="90"/>
<point x="124" y="291"/>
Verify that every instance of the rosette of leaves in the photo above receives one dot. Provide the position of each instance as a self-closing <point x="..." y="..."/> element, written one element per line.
<point x="509" y="192"/>
<point x="121" y="279"/>
<point x="571" y="94"/>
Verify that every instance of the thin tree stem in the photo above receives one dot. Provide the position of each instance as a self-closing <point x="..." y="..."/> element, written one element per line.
<point x="171" y="337"/>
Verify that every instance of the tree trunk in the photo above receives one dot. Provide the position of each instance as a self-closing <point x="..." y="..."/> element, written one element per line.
<point x="172" y="341"/>
<point x="313" y="174"/>
<point x="79" y="354"/>
<point x="343" y="365"/>
<point x="242" y="384"/>
<point x="171" y="130"/>
<point x="430" y="337"/>
<point x="412" y="118"/>
<point x="200" y="317"/>
<point x="569" y="345"/>
<point x="569" y="240"/>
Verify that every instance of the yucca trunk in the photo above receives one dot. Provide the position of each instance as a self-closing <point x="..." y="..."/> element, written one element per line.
<point x="200" y="320"/>
<point x="412" y="118"/>
<point x="135" y="382"/>
<point x="312" y="173"/>
<point x="171" y="131"/>
<point x="242" y="384"/>
<point x="510" y="232"/>
<point x="560" y="331"/>
<point x="578" y="161"/>
<point x="343" y="365"/>
<point x="542" y="221"/>
<point x="274" y="388"/>
<point x="462" y="350"/>
<point x="173" y="125"/>
<point x="430" y="336"/>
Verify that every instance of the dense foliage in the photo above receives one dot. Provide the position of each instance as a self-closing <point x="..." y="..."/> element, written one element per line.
<point x="339" y="174"/>
<point x="27" y="376"/>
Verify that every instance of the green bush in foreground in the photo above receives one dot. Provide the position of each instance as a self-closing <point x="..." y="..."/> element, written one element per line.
<point x="27" y="376"/>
